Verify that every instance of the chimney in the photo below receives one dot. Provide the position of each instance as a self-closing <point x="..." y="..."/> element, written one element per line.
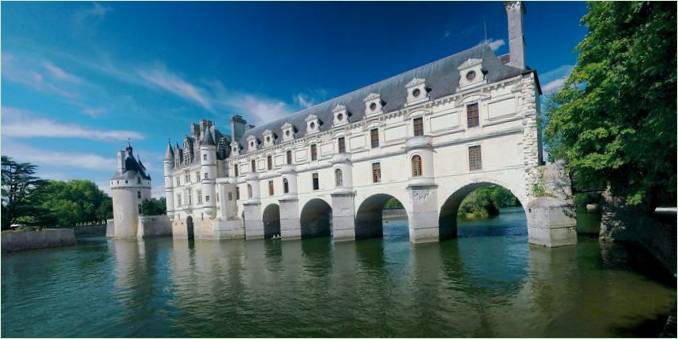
<point x="514" y="12"/>
<point x="121" y="162"/>
<point x="238" y="127"/>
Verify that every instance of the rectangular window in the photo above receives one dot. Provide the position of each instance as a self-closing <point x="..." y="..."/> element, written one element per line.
<point x="178" y="181"/>
<point x="187" y="178"/>
<point x="199" y="195"/>
<point x="316" y="182"/>
<point x="204" y="157"/>
<point x="230" y="196"/>
<point x="178" y="199"/>
<point x="474" y="158"/>
<point x="253" y="164"/>
<point x="314" y="152"/>
<point x="206" y="176"/>
<point x="418" y="126"/>
<point x="374" y="137"/>
<point x="472" y="115"/>
<point x="376" y="172"/>
<point x="235" y="170"/>
<point x="197" y="176"/>
<point x="207" y="198"/>
<point x="271" y="191"/>
<point x="237" y="193"/>
<point x="269" y="162"/>
<point x="289" y="157"/>
<point x="342" y="145"/>
<point x="138" y="194"/>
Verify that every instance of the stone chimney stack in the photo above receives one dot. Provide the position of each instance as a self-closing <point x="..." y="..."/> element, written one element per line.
<point x="514" y="12"/>
<point x="238" y="127"/>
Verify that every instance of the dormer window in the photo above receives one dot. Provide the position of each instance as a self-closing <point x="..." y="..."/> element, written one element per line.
<point x="312" y="124"/>
<point x="416" y="91"/>
<point x="471" y="73"/>
<point x="340" y="115"/>
<point x="373" y="104"/>
<point x="288" y="131"/>
<point x="269" y="137"/>
<point x="252" y="142"/>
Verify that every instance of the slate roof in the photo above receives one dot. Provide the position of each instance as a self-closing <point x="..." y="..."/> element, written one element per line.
<point x="442" y="78"/>
<point x="132" y="167"/>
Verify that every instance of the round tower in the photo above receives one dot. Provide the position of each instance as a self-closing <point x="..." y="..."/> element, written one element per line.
<point x="168" y="165"/>
<point x="208" y="172"/>
<point x="130" y="185"/>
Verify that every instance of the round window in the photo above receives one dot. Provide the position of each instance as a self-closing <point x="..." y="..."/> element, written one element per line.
<point x="287" y="133"/>
<point x="340" y="116"/>
<point x="312" y="125"/>
<point x="416" y="92"/>
<point x="373" y="106"/>
<point x="470" y="75"/>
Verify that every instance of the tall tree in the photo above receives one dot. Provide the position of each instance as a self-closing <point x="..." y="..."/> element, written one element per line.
<point x="614" y="122"/>
<point x="19" y="185"/>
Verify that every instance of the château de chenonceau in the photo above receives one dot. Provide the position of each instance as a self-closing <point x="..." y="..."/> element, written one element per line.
<point x="426" y="137"/>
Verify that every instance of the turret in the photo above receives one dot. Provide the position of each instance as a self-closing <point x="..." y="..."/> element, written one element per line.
<point x="208" y="171"/>
<point x="130" y="186"/>
<point x="168" y="165"/>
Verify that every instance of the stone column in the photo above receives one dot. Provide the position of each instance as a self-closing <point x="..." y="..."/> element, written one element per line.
<point x="343" y="215"/>
<point x="290" y="225"/>
<point x="423" y="216"/>
<point x="254" y="225"/>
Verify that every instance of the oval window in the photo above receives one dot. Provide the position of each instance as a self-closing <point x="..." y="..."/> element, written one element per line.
<point x="416" y="92"/>
<point x="312" y="125"/>
<point x="470" y="75"/>
<point x="340" y="116"/>
<point x="373" y="106"/>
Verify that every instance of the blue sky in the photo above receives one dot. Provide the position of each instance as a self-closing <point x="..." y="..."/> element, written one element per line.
<point x="80" y="78"/>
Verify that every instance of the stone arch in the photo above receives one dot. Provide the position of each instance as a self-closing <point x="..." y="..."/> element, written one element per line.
<point x="189" y="228"/>
<point x="447" y="218"/>
<point x="271" y="220"/>
<point x="316" y="219"/>
<point x="369" y="216"/>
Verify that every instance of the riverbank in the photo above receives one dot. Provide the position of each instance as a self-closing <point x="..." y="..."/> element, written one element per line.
<point x="14" y="241"/>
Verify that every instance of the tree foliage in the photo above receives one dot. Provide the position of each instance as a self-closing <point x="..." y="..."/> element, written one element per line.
<point x="486" y="202"/>
<point x="153" y="206"/>
<point x="19" y="187"/>
<point x="31" y="201"/>
<point x="614" y="121"/>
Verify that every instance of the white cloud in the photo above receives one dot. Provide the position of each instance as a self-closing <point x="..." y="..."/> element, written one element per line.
<point x="159" y="76"/>
<point x="19" y="123"/>
<point x="44" y="157"/>
<point x="494" y="44"/>
<point x="60" y="73"/>
<point x="18" y="71"/>
<point x="555" y="79"/>
<point x="261" y="109"/>
<point x="94" y="112"/>
<point x="303" y="100"/>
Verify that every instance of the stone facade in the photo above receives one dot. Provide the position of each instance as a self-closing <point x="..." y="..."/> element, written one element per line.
<point x="426" y="137"/>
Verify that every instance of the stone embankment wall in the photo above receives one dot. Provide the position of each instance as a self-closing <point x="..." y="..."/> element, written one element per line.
<point x="90" y="231"/>
<point x="154" y="226"/>
<point x="654" y="232"/>
<point x="13" y="241"/>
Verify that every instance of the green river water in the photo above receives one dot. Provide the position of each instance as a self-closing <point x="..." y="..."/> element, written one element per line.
<point x="488" y="282"/>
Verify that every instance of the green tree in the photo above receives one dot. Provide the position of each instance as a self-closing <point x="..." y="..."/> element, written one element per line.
<point x="75" y="202"/>
<point x="486" y="202"/>
<point x="614" y="121"/>
<point x="19" y="185"/>
<point x="153" y="206"/>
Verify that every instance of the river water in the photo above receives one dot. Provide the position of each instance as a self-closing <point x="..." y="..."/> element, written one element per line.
<point x="488" y="282"/>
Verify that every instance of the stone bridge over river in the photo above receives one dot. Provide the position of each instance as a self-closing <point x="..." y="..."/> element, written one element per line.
<point x="426" y="137"/>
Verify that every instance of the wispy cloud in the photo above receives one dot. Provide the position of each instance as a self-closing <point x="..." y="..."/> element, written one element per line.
<point x="494" y="44"/>
<point x="159" y="76"/>
<point x="96" y="12"/>
<point x="261" y="109"/>
<point x="59" y="73"/>
<point x="555" y="79"/>
<point x="18" y="123"/>
<point x="49" y="158"/>
<point x="17" y="71"/>
<point x="305" y="100"/>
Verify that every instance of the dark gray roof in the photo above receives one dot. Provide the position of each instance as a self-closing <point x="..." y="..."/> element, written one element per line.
<point x="132" y="166"/>
<point x="442" y="78"/>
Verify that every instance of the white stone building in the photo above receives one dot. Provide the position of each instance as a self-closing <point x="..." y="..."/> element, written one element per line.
<point x="426" y="137"/>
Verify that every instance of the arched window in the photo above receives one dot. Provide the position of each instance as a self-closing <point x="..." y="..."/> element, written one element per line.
<point x="338" y="178"/>
<point x="249" y="191"/>
<point x="416" y="166"/>
<point x="286" y="186"/>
